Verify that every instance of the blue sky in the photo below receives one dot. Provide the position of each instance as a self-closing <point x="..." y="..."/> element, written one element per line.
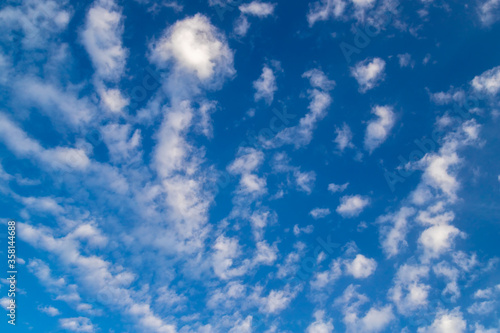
<point x="251" y="166"/>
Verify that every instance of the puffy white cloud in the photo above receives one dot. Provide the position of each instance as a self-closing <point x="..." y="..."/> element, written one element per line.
<point x="113" y="100"/>
<point x="225" y="251"/>
<point x="378" y="129"/>
<point x="319" y="213"/>
<point x="258" y="8"/>
<point x="438" y="239"/>
<point x="320" y="325"/>
<point x="375" y="320"/>
<point x="408" y="292"/>
<point x="265" y="86"/>
<point x="101" y="37"/>
<point x="325" y="278"/>
<point x="369" y="73"/>
<point x="361" y="267"/>
<point x="343" y="137"/>
<point x="352" y="205"/>
<point x="276" y="301"/>
<point x="196" y="47"/>
<point x="77" y="324"/>
<point x="445" y="322"/>
<point x="50" y="310"/>
<point x="440" y="167"/>
<point x="247" y="161"/>
<point x="334" y="188"/>
<point x="266" y="254"/>
<point x="488" y="82"/>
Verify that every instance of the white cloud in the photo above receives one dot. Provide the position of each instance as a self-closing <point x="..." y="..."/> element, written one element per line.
<point x="122" y="143"/>
<point x="343" y="137"/>
<point x="96" y="276"/>
<point x="301" y="134"/>
<point x="77" y="324"/>
<point x="369" y="73"/>
<point x="319" y="213"/>
<point x="320" y="325"/>
<point x="257" y="8"/>
<point x="5" y="302"/>
<point x="318" y="79"/>
<point x="352" y="205"/>
<point x="265" y="86"/>
<point x="226" y="250"/>
<point x="242" y="326"/>
<point x="378" y="129"/>
<point x="361" y="267"/>
<point x="488" y="82"/>
<point x="409" y="293"/>
<point x="376" y="319"/>
<point x="276" y="301"/>
<point x="265" y="254"/>
<point x="247" y="161"/>
<point x="440" y="168"/>
<point x="446" y="322"/>
<point x="482" y="308"/>
<point x="438" y="239"/>
<point x="393" y="236"/>
<point x="196" y="47"/>
<point x="101" y="38"/>
<point x="325" y="278"/>
<point x="324" y="9"/>
<point x="38" y="20"/>
<point x="489" y="11"/>
<point x="50" y="310"/>
<point x="113" y="100"/>
<point x="481" y="329"/>
<point x="23" y="146"/>
<point x="334" y="188"/>
<point x="305" y="180"/>
<point x="405" y="60"/>
<point x="450" y="274"/>
<point x="241" y="26"/>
